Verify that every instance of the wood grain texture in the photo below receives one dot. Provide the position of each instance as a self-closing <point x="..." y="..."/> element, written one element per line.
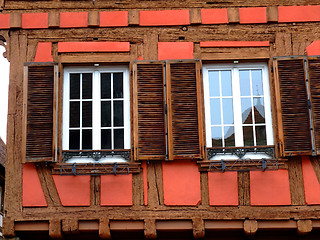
<point x="93" y="19"/>
<point x="233" y="15"/>
<point x="137" y="189"/>
<point x="150" y="46"/>
<point x="133" y="17"/>
<point x="195" y="16"/>
<point x="95" y="190"/>
<point x="155" y="184"/>
<point x="53" y="19"/>
<point x="204" y="188"/>
<point x="296" y="181"/>
<point x="272" y="14"/>
<point x="244" y="188"/>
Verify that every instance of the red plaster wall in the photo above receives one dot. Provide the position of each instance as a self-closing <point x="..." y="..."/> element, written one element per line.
<point x="235" y="44"/>
<point x="299" y="13"/>
<point x="73" y="19"/>
<point x="214" y="16"/>
<point x="4" y="21"/>
<point x="313" y="48"/>
<point x="311" y="183"/>
<point x="253" y="15"/>
<point x="34" y="20"/>
<point x="32" y="194"/>
<point x="114" y="19"/>
<point x="164" y="18"/>
<point x="145" y="182"/>
<point x="223" y="188"/>
<point x="270" y="188"/>
<point x="175" y="50"/>
<point x="181" y="183"/>
<point x="116" y="190"/>
<point x="43" y="53"/>
<point x="93" y="47"/>
<point x="73" y="190"/>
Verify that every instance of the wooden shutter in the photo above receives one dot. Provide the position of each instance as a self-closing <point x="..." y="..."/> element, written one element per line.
<point x="185" y="128"/>
<point x="149" y="113"/>
<point x="40" y="112"/>
<point x="292" y="106"/>
<point x="314" y="81"/>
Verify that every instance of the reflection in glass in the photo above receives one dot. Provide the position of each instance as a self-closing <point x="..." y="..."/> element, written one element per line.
<point x="248" y="136"/>
<point x="214" y="85"/>
<point x="74" y="85"/>
<point x="105" y="138"/>
<point x="87" y="114"/>
<point x="74" y="139"/>
<point x="74" y="120"/>
<point x="216" y="134"/>
<point x="261" y="135"/>
<point x="227" y="111"/>
<point x="87" y="86"/>
<point x="118" y="113"/>
<point x="258" y="106"/>
<point x="257" y="87"/>
<point x="105" y="85"/>
<point x="106" y="114"/>
<point x="246" y="110"/>
<point x="226" y="85"/>
<point x="118" y="139"/>
<point x="229" y="136"/>
<point x="86" y="139"/>
<point x="244" y="82"/>
<point x="215" y="111"/>
<point x="118" y="85"/>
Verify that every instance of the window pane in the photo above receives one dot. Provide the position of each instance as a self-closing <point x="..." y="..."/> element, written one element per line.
<point x="248" y="136"/>
<point x="86" y="139"/>
<point x="227" y="111"/>
<point x="87" y="86"/>
<point x="246" y="109"/>
<point x="216" y="134"/>
<point x="106" y="114"/>
<point x="214" y="85"/>
<point x="215" y="111"/>
<point x="258" y="106"/>
<point x="105" y="85"/>
<point x="74" y="139"/>
<point x="74" y="85"/>
<point x="257" y="87"/>
<point x="74" y="120"/>
<point x="105" y="138"/>
<point x="261" y="135"/>
<point x="118" y="113"/>
<point x="87" y="114"/>
<point x="229" y="136"/>
<point x="244" y="82"/>
<point x="118" y="85"/>
<point x="118" y="139"/>
<point x="226" y="85"/>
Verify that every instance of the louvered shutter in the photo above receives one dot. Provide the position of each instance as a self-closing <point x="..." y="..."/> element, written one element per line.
<point x="40" y="112"/>
<point x="185" y="128"/>
<point x="149" y="112"/>
<point x="292" y="106"/>
<point x="314" y="80"/>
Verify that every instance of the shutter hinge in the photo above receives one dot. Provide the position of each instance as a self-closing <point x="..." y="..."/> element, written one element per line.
<point x="309" y="104"/>
<point x="165" y="108"/>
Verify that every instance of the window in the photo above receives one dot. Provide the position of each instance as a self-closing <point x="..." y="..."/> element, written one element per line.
<point x="237" y="105"/>
<point x="96" y="109"/>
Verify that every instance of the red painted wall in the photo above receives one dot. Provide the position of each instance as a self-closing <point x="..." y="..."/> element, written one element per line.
<point x="44" y="53"/>
<point x="175" y="50"/>
<point x="114" y="19"/>
<point x="116" y="190"/>
<point x="223" y="188"/>
<point x="164" y="18"/>
<point x="214" y="16"/>
<point x="145" y="182"/>
<point x="299" y="13"/>
<point x="253" y="15"/>
<point x="270" y="188"/>
<point x="311" y="183"/>
<point x="32" y="194"/>
<point x="313" y="48"/>
<point x="73" y="19"/>
<point x="34" y="20"/>
<point x="181" y="183"/>
<point x="4" y="21"/>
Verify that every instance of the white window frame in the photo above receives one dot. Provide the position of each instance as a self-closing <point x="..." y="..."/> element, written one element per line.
<point x="96" y="109"/>
<point x="235" y="68"/>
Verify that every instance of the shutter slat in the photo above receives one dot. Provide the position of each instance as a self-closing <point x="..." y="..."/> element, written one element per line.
<point x="295" y="124"/>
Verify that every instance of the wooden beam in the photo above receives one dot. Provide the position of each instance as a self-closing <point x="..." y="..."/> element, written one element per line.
<point x="235" y="53"/>
<point x="272" y="14"/>
<point x="244" y="188"/>
<point x="53" y="19"/>
<point x="55" y="229"/>
<point x="233" y="15"/>
<point x="204" y="188"/>
<point x="15" y="20"/>
<point x="133" y="17"/>
<point x="8" y="227"/>
<point x="93" y="19"/>
<point x="174" y="225"/>
<point x="250" y="227"/>
<point x="104" y="229"/>
<point x="304" y="226"/>
<point x="95" y="187"/>
<point x="95" y="58"/>
<point x="195" y="16"/>
<point x="150" y="46"/>
<point x="150" y="230"/>
<point x="198" y="228"/>
<point x="32" y="226"/>
<point x="70" y="225"/>
<point x="296" y="181"/>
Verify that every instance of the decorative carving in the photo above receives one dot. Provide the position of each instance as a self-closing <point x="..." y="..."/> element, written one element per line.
<point x="95" y="155"/>
<point x="3" y="42"/>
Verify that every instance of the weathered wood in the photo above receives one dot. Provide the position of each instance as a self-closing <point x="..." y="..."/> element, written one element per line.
<point x="95" y="187"/>
<point x="204" y="189"/>
<point x="234" y="53"/>
<point x="150" y="231"/>
<point x="283" y="44"/>
<point x="8" y="227"/>
<point x="133" y="17"/>
<point x="244" y="188"/>
<point x="95" y="57"/>
<point x="316" y="166"/>
<point x="150" y="46"/>
<point x="195" y="16"/>
<point x="137" y="189"/>
<point x="304" y="226"/>
<point x="104" y="229"/>
<point x="250" y="227"/>
<point x="233" y="15"/>
<point x="15" y="20"/>
<point x="155" y="183"/>
<point x="53" y="19"/>
<point x="272" y="14"/>
<point x="198" y="228"/>
<point x="296" y="181"/>
<point x="70" y="225"/>
<point x="55" y="230"/>
<point x="93" y="19"/>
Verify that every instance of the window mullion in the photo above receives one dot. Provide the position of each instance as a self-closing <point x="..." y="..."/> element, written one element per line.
<point x="221" y="110"/>
<point x="237" y="107"/>
<point x="112" y="123"/>
<point x="80" y="120"/>
<point x="252" y="110"/>
<point x="126" y="112"/>
<point x="96" y="111"/>
<point x="267" y="106"/>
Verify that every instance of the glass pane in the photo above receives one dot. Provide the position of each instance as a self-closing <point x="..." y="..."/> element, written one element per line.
<point x="248" y="136"/>
<point x="214" y="85"/>
<point x="227" y="111"/>
<point x="86" y="139"/>
<point x="74" y="85"/>
<point x="118" y="139"/>
<point x="87" y="114"/>
<point x="258" y="107"/>
<point x="118" y="85"/>
<point x="105" y="138"/>
<point x="215" y="111"/>
<point x="87" y="86"/>
<point x="118" y="113"/>
<point x="229" y="136"/>
<point x="246" y="109"/>
<point x="106" y="114"/>
<point x="226" y="84"/>
<point x="74" y="120"/>
<point x="257" y="87"/>
<point x="244" y="83"/>
<point x="261" y="135"/>
<point x="105" y="85"/>
<point x="216" y="135"/>
<point x="74" y="139"/>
